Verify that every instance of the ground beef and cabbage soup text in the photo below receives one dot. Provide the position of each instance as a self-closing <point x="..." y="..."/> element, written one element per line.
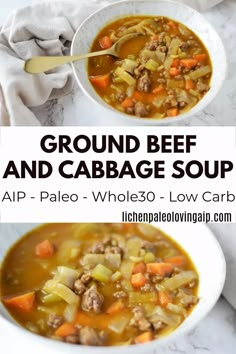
<point x="162" y="73"/>
<point x="98" y="284"/>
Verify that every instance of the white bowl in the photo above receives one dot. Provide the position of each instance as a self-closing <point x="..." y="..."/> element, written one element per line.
<point x="88" y="30"/>
<point x="196" y="239"/>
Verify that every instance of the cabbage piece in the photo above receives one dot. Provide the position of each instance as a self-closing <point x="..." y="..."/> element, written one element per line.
<point x="126" y="268"/>
<point x="129" y="65"/>
<point x="50" y="285"/>
<point x="173" y="50"/>
<point x="101" y="273"/>
<point x="113" y="260"/>
<point x="151" y="65"/>
<point x="174" y="46"/>
<point x="170" y="319"/>
<point x="149" y="31"/>
<point x="66" y="294"/>
<point x="202" y="71"/>
<point x="179" y="280"/>
<point x="183" y="96"/>
<point x="140" y="27"/>
<point x="116" y="276"/>
<point x="149" y="257"/>
<point x="126" y="285"/>
<point x="176" y="309"/>
<point x="66" y="276"/>
<point x="158" y="101"/>
<point x="133" y="246"/>
<point x="173" y="84"/>
<point x="136" y="297"/>
<point x="184" y="31"/>
<point x="119" y="323"/>
<point x="130" y="91"/>
<point x="117" y="80"/>
<point x="49" y="298"/>
<point x="70" y="312"/>
<point x="147" y="230"/>
<point x="136" y="259"/>
<point x="121" y="73"/>
<point x="47" y="310"/>
<point x="194" y="93"/>
<point x="93" y="259"/>
<point x="160" y="56"/>
<point x="120" y="240"/>
<point x="147" y="54"/>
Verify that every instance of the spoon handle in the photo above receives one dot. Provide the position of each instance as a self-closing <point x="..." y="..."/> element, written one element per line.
<point x="42" y="64"/>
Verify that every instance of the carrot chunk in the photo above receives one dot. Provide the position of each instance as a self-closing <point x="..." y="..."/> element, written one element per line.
<point x="174" y="71"/>
<point x="178" y="261"/>
<point x="139" y="268"/>
<point x="116" y="307"/>
<point x="172" y="112"/>
<point x="128" y="102"/>
<point x="66" y="329"/>
<point x="44" y="249"/>
<point x="128" y="227"/>
<point x="101" y="81"/>
<point x="200" y="57"/>
<point x="172" y="25"/>
<point x="138" y="280"/>
<point x="155" y="37"/>
<point x="105" y="42"/>
<point x="149" y="98"/>
<point x="175" y="63"/>
<point x="23" y="302"/>
<point x="137" y="96"/>
<point x="189" y="84"/>
<point x="143" y="338"/>
<point x="158" y="89"/>
<point x="102" y="320"/>
<point x="188" y="63"/>
<point x="164" y="298"/>
<point x="161" y="268"/>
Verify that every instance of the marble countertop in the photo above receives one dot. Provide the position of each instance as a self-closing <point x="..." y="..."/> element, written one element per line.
<point x="75" y="108"/>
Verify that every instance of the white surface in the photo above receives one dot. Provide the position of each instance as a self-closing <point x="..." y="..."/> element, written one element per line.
<point x="201" y="339"/>
<point x="75" y="109"/>
<point x="227" y="238"/>
<point x="179" y="12"/>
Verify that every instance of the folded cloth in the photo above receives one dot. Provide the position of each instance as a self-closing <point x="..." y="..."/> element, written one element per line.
<point x="45" y="28"/>
<point x="226" y="234"/>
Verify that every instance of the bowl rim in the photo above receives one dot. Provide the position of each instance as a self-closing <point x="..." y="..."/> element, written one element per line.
<point x="148" y="120"/>
<point x="152" y="345"/>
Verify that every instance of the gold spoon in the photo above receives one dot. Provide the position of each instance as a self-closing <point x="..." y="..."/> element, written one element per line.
<point x="42" y="64"/>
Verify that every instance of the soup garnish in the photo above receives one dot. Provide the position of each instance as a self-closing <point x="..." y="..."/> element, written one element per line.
<point x="98" y="284"/>
<point x="163" y="73"/>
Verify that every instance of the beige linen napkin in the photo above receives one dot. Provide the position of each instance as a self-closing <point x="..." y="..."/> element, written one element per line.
<point x="46" y="28"/>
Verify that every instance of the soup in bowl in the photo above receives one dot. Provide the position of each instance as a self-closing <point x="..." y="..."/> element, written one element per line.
<point x="162" y="73"/>
<point x="171" y="71"/>
<point x="110" y="284"/>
